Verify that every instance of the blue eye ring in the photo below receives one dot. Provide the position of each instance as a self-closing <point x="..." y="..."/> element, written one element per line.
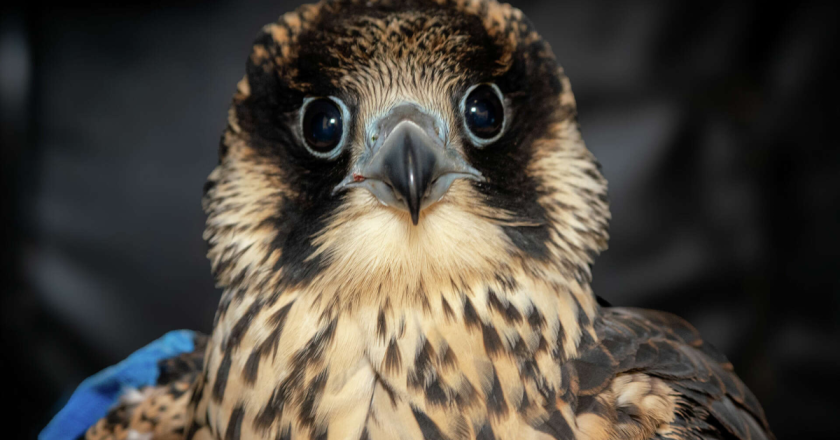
<point x="484" y="113"/>
<point x="333" y="117"/>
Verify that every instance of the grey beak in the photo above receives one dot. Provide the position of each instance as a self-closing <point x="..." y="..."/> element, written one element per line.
<point x="409" y="167"/>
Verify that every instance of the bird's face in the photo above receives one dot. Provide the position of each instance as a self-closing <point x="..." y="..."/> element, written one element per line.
<point x="399" y="146"/>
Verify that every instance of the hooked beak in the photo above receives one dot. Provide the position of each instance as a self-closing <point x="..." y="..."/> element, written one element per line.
<point x="409" y="166"/>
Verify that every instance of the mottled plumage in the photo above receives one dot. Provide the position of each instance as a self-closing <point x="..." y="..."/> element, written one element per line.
<point x="467" y="317"/>
<point x="157" y="411"/>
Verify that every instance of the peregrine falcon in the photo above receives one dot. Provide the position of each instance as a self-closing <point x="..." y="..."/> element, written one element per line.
<point x="403" y="220"/>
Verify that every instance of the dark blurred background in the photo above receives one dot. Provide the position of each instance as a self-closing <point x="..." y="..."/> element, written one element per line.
<point x="716" y="124"/>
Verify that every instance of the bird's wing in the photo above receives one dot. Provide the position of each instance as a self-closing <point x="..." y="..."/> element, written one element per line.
<point x="712" y="401"/>
<point x="157" y="411"/>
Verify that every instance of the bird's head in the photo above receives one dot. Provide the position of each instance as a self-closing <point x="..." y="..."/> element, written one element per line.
<point x="389" y="147"/>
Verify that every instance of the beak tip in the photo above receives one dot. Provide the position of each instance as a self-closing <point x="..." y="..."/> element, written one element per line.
<point x="415" y="216"/>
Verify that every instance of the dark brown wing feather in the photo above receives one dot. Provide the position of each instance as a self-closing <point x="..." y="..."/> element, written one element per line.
<point x="716" y="403"/>
<point x="184" y="366"/>
<point x="159" y="409"/>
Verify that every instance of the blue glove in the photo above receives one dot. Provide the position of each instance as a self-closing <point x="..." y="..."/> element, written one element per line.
<point x="98" y="393"/>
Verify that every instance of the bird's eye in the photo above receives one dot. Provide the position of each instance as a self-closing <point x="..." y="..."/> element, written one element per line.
<point x="323" y="126"/>
<point x="484" y="113"/>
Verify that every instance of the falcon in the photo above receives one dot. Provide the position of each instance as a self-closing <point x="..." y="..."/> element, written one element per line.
<point x="403" y="221"/>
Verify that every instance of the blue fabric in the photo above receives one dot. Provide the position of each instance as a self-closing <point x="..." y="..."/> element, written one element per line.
<point x="98" y="393"/>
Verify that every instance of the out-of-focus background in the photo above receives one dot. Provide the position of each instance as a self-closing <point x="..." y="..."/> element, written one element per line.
<point x="715" y="121"/>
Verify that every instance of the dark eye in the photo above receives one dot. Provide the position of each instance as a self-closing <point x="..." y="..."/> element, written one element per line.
<point x="484" y="113"/>
<point x="323" y="127"/>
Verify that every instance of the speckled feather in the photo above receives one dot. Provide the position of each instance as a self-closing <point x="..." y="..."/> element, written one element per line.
<point x="341" y="320"/>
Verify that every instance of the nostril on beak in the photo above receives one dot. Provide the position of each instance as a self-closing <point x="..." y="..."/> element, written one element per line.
<point x="409" y="164"/>
<point x="409" y="167"/>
